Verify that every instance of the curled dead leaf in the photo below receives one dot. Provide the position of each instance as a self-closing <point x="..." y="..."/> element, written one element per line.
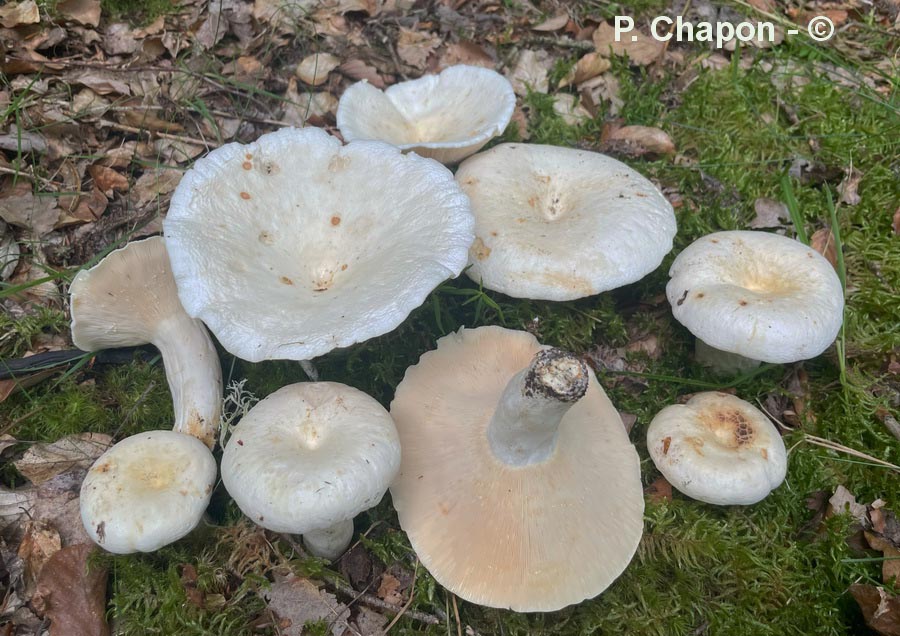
<point x="85" y="12"/>
<point x="414" y="47"/>
<point x="19" y="13"/>
<point x="880" y="608"/>
<point x="314" y="69"/>
<point x="42" y="462"/>
<point x="822" y="241"/>
<point x="107" y="179"/>
<point x="531" y="72"/>
<point x="359" y="70"/>
<point x="637" y="141"/>
<point x="588" y="67"/>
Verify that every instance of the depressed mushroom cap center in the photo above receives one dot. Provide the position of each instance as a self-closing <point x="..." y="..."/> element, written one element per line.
<point x="731" y="428"/>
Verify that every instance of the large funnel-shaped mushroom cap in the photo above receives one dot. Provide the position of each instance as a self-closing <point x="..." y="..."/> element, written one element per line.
<point x="558" y="224"/>
<point x="759" y="295"/>
<point x="536" y="537"/>
<point x="294" y="245"/>
<point x="445" y="117"/>
<point x="129" y="298"/>
<point x="147" y="491"/>
<point x="309" y="456"/>
<point x="717" y="448"/>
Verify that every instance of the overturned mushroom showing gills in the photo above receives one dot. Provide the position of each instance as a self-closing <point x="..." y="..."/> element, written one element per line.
<point x="147" y="491"/>
<point x="294" y="245"/>
<point x="756" y="296"/>
<point x="446" y="117"/>
<point x="128" y="299"/>
<point x="559" y="224"/>
<point x="718" y="448"/>
<point x="518" y="486"/>
<point x="309" y="458"/>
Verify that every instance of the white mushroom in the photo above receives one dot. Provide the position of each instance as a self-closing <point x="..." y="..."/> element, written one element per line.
<point x="718" y="448"/>
<point x="310" y="457"/>
<point x="129" y="298"/>
<point x="518" y="486"/>
<point x="446" y="117"/>
<point x="294" y="245"/>
<point x="147" y="491"/>
<point x="559" y="224"/>
<point x="757" y="295"/>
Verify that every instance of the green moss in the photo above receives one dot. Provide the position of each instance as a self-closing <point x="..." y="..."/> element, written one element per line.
<point x="699" y="569"/>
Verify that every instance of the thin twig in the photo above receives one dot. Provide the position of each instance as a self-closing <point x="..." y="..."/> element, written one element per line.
<point x="374" y="602"/>
<point x="562" y="43"/>
<point x="824" y="443"/>
<point x="456" y="614"/>
<point x="412" y="595"/>
<point x="151" y="134"/>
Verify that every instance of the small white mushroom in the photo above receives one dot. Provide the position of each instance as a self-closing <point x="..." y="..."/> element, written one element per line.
<point x="519" y="487"/>
<point x="310" y="457"/>
<point x="295" y="245"/>
<point x="718" y="448"/>
<point x="559" y="224"/>
<point x="755" y="295"/>
<point x="147" y="491"/>
<point x="129" y="299"/>
<point x="446" y="117"/>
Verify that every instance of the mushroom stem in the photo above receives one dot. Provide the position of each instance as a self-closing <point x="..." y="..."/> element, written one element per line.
<point x="524" y="427"/>
<point x="330" y="542"/>
<point x="722" y="362"/>
<point x="194" y="375"/>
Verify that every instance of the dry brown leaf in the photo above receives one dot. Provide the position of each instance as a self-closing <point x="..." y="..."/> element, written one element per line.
<point x="843" y="502"/>
<point x="895" y="222"/>
<point x="314" y="69"/>
<point x="10" y="386"/>
<point x="153" y="185"/>
<point x="848" y="188"/>
<point x="763" y="5"/>
<point x="603" y="88"/>
<point x="389" y="590"/>
<point x="769" y="213"/>
<point x="555" y="23"/>
<point x="72" y="594"/>
<point x="520" y="121"/>
<point x="359" y="70"/>
<point x="85" y="12"/>
<point x="628" y="420"/>
<point x="641" y="140"/>
<point x="465" y="52"/>
<point x="108" y="179"/>
<point x="40" y="542"/>
<point x="301" y="107"/>
<point x="102" y="82"/>
<point x="297" y="601"/>
<point x="658" y="491"/>
<point x="9" y="252"/>
<point x="531" y="72"/>
<point x="890" y="567"/>
<point x="119" y="39"/>
<point x="880" y="609"/>
<point x="414" y="47"/>
<point x="648" y="345"/>
<point x="14" y="504"/>
<point x="19" y="206"/>
<point x="42" y="462"/>
<point x="588" y="67"/>
<point x="641" y="50"/>
<point x="822" y="241"/>
<point x="19" y="13"/>
<point x="570" y="109"/>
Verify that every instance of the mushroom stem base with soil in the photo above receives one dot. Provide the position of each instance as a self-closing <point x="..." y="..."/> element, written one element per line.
<point x="723" y="362"/>
<point x="524" y="427"/>
<point x="329" y="543"/>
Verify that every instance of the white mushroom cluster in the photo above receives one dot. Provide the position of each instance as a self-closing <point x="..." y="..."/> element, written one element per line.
<point x="517" y="483"/>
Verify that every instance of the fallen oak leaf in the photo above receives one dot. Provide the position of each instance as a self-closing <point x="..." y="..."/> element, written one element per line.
<point x="296" y="601"/>
<point x="389" y="590"/>
<point x="72" y="593"/>
<point x="42" y="462"/>
<point x="414" y="47"/>
<point x="19" y="13"/>
<point x="86" y="12"/>
<point x="880" y="609"/>
<point x="107" y="179"/>
<point x="659" y="491"/>
<point x="358" y="70"/>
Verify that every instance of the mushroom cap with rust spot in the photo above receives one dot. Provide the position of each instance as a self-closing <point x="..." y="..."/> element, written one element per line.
<point x="446" y="117"/>
<point x="147" y="491"/>
<point x="555" y="223"/>
<point x="537" y="537"/>
<point x="718" y="448"/>
<point x="310" y="455"/>
<point x="295" y="245"/>
<point x="760" y="295"/>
